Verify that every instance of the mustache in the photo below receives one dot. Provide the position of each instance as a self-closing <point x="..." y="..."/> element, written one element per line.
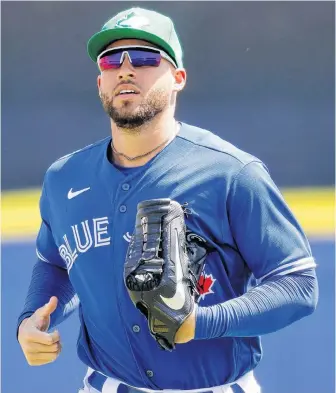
<point x="126" y="82"/>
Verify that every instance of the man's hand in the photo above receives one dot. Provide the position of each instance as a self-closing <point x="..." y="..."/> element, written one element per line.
<point x="38" y="346"/>
<point x="187" y="330"/>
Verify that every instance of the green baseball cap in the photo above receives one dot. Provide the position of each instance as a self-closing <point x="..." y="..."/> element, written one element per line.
<point x="142" y="24"/>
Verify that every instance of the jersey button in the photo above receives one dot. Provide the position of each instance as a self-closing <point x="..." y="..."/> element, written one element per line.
<point x="150" y="373"/>
<point x="125" y="187"/>
<point x="136" y="328"/>
<point x="122" y="208"/>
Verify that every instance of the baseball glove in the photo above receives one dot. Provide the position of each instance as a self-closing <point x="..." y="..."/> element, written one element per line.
<point x="162" y="269"/>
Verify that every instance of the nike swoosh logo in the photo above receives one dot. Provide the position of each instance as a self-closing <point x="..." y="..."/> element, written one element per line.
<point x="73" y="194"/>
<point x="177" y="301"/>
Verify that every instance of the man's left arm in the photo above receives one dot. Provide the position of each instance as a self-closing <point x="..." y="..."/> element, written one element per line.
<point x="277" y="252"/>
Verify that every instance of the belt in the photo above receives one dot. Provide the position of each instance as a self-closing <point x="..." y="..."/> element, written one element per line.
<point x="98" y="381"/>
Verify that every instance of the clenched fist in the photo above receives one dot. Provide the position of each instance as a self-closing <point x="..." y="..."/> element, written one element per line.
<point x="39" y="346"/>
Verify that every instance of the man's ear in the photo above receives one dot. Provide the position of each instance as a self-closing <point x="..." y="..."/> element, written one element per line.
<point x="180" y="76"/>
<point x="98" y="84"/>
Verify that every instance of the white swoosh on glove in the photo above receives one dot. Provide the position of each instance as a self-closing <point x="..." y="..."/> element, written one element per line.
<point x="177" y="301"/>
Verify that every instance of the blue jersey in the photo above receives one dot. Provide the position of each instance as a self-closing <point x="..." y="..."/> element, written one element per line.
<point x="88" y="207"/>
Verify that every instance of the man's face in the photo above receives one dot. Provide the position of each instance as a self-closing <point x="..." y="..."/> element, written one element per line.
<point x="155" y="88"/>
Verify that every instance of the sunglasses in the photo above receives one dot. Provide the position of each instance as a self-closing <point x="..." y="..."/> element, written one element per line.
<point x="139" y="56"/>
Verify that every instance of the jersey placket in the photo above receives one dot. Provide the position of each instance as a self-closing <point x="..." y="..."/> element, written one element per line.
<point x="118" y="234"/>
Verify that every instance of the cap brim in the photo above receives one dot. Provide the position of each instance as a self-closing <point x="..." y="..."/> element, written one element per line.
<point x="102" y="39"/>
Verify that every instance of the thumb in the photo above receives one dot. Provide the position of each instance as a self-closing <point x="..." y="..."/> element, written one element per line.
<point x="48" y="308"/>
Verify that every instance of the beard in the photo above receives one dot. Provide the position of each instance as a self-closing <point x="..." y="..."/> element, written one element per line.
<point x="124" y="117"/>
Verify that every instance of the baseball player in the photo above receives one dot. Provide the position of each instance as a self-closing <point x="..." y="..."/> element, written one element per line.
<point x="176" y="247"/>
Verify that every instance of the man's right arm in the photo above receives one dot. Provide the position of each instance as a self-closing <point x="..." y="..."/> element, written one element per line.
<point x="50" y="298"/>
<point x="49" y="280"/>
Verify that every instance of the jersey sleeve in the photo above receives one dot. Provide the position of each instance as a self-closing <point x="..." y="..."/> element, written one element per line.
<point x="46" y="248"/>
<point x="266" y="233"/>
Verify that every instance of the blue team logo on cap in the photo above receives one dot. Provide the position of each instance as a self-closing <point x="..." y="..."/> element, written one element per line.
<point x="132" y="20"/>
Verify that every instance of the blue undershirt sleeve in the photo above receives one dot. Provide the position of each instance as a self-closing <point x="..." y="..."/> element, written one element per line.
<point x="49" y="280"/>
<point x="271" y="306"/>
<point x="50" y="275"/>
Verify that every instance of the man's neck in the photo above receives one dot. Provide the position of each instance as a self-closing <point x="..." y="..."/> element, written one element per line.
<point x="150" y="138"/>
